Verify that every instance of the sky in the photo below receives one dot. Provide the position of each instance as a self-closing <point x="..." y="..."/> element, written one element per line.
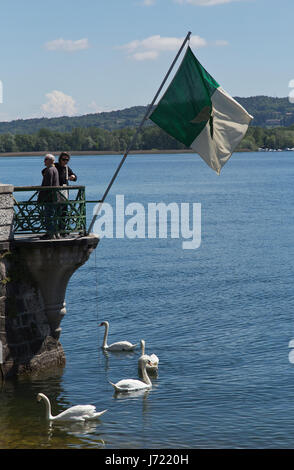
<point x="73" y="57"/>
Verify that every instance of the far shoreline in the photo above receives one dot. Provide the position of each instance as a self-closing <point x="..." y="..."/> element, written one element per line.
<point x="101" y="152"/>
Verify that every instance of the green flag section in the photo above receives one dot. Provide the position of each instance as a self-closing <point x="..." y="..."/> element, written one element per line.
<point x="196" y="111"/>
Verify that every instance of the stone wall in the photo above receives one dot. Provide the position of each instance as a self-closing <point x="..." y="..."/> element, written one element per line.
<point x="27" y="344"/>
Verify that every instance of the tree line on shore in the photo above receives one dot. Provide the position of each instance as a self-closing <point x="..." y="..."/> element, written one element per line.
<point x="267" y="112"/>
<point x="150" y="138"/>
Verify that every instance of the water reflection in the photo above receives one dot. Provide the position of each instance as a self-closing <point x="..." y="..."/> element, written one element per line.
<point x="119" y="358"/>
<point x="131" y="395"/>
<point x="120" y="355"/>
<point x="23" y="423"/>
<point x="74" y="429"/>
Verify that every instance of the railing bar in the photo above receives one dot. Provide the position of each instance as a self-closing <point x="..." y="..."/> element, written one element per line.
<point x="30" y="214"/>
<point x="33" y="188"/>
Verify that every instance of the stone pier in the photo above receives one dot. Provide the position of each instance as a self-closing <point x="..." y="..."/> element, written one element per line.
<point x="34" y="275"/>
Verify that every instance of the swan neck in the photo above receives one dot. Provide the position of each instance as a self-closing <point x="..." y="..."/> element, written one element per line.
<point x="143" y="347"/>
<point x="105" y="336"/>
<point x="48" y="406"/>
<point x="145" y="376"/>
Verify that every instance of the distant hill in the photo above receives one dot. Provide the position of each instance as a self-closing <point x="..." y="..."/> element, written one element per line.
<point x="267" y="112"/>
<point x="129" y="117"/>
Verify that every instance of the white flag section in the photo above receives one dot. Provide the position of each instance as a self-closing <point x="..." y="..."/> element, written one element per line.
<point x="230" y="124"/>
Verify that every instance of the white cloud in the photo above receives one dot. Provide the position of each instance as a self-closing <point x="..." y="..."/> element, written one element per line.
<point x="197" y="41"/>
<point x="67" y="45"/>
<point x="148" y="3"/>
<point x="205" y="3"/>
<point x="147" y="55"/>
<point x="159" y="43"/>
<point x="59" y="104"/>
<point x="150" y="47"/>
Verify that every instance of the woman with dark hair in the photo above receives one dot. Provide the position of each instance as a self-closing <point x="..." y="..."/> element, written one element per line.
<point x="65" y="172"/>
<point x="65" y="175"/>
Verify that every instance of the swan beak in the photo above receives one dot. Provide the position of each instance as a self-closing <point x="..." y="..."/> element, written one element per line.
<point x="38" y="398"/>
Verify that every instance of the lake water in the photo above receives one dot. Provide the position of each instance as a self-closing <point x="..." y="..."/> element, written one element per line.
<point x="219" y="317"/>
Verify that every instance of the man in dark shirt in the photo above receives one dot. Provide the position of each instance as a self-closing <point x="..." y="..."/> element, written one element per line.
<point x="47" y="197"/>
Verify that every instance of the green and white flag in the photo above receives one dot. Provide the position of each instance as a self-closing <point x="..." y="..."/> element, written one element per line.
<point x="196" y="111"/>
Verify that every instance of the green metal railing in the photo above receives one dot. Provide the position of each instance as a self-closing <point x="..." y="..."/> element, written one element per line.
<point x="54" y="209"/>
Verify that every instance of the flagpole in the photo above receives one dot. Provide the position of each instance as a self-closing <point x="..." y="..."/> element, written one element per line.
<point x="136" y="133"/>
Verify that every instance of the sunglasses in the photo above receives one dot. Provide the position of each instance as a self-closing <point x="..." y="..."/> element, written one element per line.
<point x="65" y="159"/>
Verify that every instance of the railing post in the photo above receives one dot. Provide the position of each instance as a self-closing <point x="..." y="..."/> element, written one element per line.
<point x="6" y="212"/>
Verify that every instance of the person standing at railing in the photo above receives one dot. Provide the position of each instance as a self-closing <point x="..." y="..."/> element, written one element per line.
<point x="47" y="197"/>
<point x="65" y="172"/>
<point x="65" y="175"/>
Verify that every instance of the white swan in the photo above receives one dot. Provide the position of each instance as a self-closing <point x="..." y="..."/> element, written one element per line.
<point x="130" y="385"/>
<point x="75" y="413"/>
<point x="153" y="367"/>
<point x="119" y="345"/>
